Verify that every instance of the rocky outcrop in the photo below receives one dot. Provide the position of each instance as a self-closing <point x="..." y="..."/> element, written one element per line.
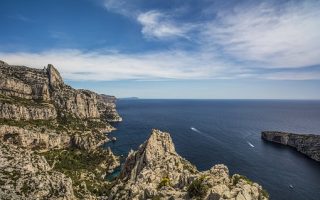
<point x="107" y="106"/>
<point x="156" y="171"/>
<point x="14" y="111"/>
<point x="20" y="83"/>
<point x="38" y="101"/>
<point x="24" y="175"/>
<point x="31" y="139"/>
<point x="307" y="144"/>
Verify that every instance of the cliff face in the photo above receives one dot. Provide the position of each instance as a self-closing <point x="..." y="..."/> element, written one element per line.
<point x="156" y="171"/>
<point x="46" y="86"/>
<point x="306" y="144"/>
<point x="38" y="101"/>
<point x="49" y="134"/>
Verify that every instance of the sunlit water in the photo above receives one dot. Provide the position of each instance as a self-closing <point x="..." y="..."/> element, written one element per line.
<point x="208" y="132"/>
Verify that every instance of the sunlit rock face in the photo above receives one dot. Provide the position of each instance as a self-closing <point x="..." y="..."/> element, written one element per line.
<point x="156" y="171"/>
<point x="38" y="101"/>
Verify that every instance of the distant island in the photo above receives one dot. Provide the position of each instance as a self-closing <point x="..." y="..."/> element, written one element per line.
<point x="128" y="98"/>
<point x="51" y="137"/>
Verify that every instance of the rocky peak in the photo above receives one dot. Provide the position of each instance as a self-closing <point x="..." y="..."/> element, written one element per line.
<point x="156" y="171"/>
<point x="157" y="150"/>
<point x="158" y="145"/>
<point x="3" y="63"/>
<point x="55" y="80"/>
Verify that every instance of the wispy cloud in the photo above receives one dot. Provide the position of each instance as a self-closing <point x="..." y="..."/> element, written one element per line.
<point x="21" y="17"/>
<point x="156" y="24"/>
<point x="77" y="65"/>
<point x="175" y="64"/>
<point x="121" y="7"/>
<point x="285" y="36"/>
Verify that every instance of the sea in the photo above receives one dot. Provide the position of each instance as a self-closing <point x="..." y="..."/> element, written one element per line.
<point x="209" y="132"/>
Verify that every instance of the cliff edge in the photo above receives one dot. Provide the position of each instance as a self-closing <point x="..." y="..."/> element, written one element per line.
<point x="307" y="144"/>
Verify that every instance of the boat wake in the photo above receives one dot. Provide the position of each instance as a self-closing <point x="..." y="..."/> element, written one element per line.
<point x="250" y="144"/>
<point x="195" y="130"/>
<point x="205" y="134"/>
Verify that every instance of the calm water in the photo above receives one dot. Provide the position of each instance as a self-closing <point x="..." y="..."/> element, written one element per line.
<point x="208" y="132"/>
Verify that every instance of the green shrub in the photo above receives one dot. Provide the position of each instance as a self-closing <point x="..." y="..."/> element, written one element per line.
<point x="265" y="193"/>
<point x="237" y="178"/>
<point x="197" y="188"/>
<point x="164" y="182"/>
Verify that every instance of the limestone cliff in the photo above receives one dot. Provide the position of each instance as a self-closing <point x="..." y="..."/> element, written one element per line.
<point x="37" y="106"/>
<point x="307" y="144"/>
<point x="156" y="171"/>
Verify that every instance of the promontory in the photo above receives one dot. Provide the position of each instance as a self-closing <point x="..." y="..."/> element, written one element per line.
<point x="307" y="144"/>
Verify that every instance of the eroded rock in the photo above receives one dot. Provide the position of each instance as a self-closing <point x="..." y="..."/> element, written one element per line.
<point x="156" y="171"/>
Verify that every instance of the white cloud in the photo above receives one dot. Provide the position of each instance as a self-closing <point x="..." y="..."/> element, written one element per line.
<point x="77" y="65"/>
<point x="286" y="36"/>
<point x="98" y="66"/>
<point x="156" y="24"/>
<point x="120" y="7"/>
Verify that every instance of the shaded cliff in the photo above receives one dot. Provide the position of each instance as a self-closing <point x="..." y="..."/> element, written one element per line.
<point x="307" y="144"/>
<point x="36" y="106"/>
<point x="156" y="171"/>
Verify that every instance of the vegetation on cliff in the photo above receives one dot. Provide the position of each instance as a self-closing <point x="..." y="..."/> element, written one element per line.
<point x="86" y="169"/>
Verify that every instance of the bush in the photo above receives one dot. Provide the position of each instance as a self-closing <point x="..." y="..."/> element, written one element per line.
<point x="265" y="193"/>
<point x="237" y="178"/>
<point x="197" y="188"/>
<point x="164" y="182"/>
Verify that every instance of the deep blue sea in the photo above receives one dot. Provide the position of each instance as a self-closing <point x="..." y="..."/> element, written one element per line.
<point x="209" y="132"/>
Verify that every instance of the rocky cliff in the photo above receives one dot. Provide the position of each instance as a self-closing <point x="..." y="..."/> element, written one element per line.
<point x="156" y="171"/>
<point x="49" y="137"/>
<point x="40" y="110"/>
<point x="307" y="144"/>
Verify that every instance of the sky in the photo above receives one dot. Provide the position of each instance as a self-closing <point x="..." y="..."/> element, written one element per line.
<point x="184" y="49"/>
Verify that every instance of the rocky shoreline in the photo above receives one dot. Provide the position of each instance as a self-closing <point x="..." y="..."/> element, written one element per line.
<point x="50" y="148"/>
<point x="307" y="144"/>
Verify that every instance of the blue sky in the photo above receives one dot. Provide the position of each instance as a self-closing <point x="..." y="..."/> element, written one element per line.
<point x="170" y="49"/>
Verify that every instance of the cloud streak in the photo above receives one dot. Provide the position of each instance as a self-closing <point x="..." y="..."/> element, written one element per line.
<point x="273" y="37"/>
<point x="77" y="65"/>
<point x="166" y="65"/>
<point x="156" y="24"/>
